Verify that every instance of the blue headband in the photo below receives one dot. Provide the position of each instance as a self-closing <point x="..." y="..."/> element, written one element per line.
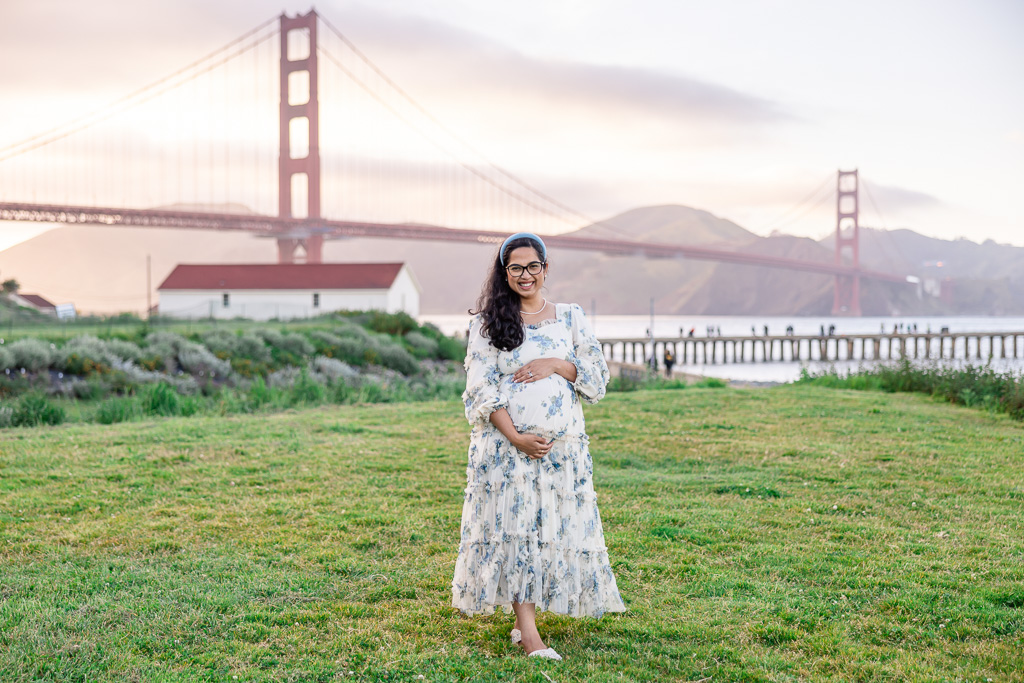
<point x="543" y="249"/>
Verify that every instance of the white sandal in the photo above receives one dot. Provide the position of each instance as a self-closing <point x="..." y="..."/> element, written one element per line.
<point x="547" y="653"/>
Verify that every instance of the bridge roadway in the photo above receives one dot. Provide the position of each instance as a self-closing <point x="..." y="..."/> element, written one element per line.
<point x="922" y="345"/>
<point x="274" y="227"/>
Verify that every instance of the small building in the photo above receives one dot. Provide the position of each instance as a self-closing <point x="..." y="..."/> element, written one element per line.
<point x="286" y="291"/>
<point x="34" y="301"/>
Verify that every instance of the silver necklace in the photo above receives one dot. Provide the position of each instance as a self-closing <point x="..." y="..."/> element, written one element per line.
<point x="540" y="310"/>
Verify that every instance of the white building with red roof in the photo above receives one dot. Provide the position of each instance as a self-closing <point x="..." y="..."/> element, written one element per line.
<point x="285" y="291"/>
<point x="34" y="301"/>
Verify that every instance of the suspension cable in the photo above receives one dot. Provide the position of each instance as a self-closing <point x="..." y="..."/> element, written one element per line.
<point x="123" y="103"/>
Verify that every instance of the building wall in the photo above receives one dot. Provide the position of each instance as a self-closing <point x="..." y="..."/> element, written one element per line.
<point x="404" y="294"/>
<point x="267" y="304"/>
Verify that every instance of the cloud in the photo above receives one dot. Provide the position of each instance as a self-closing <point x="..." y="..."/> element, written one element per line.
<point x="892" y="199"/>
<point x="438" y="56"/>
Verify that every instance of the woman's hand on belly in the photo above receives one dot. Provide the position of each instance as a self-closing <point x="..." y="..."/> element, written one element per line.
<point x="533" y="446"/>
<point x="542" y="368"/>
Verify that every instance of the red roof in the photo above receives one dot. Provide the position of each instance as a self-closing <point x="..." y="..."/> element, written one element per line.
<point x="283" y="276"/>
<point x="37" y="301"/>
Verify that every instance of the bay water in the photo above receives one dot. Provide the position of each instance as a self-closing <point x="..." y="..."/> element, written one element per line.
<point x="674" y="326"/>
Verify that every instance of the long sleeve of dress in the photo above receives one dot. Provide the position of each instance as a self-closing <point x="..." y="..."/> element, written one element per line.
<point x="482" y="377"/>
<point x="591" y="369"/>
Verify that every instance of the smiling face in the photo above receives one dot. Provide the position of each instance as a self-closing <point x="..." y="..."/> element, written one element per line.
<point x="527" y="286"/>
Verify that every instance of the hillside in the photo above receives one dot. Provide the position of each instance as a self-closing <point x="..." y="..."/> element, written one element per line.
<point x="988" y="278"/>
<point x="103" y="269"/>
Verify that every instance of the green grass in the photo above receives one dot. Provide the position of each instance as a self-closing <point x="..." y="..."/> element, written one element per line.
<point x="975" y="386"/>
<point x="797" y="533"/>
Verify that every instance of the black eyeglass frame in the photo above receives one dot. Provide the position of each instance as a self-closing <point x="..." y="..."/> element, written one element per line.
<point x="526" y="269"/>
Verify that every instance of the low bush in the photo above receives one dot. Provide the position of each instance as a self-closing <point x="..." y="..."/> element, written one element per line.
<point x="237" y="347"/>
<point x="118" y="409"/>
<point x="35" y="409"/>
<point x="395" y="324"/>
<point x="124" y="350"/>
<point x="196" y="359"/>
<point x="160" y="399"/>
<point x="397" y="358"/>
<point x="306" y="390"/>
<point x="30" y="353"/>
<point x="6" y="359"/>
<point x="451" y="349"/>
<point x="330" y="370"/>
<point x="355" y="351"/>
<point x="421" y="345"/>
<point x="976" y="386"/>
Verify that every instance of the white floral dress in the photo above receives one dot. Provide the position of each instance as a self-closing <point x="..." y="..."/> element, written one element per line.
<point x="531" y="531"/>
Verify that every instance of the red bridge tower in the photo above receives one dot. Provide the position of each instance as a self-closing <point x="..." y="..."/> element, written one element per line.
<point x="847" y="287"/>
<point x="300" y="123"/>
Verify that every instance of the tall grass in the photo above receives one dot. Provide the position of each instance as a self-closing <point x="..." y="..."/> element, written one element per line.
<point x="976" y="386"/>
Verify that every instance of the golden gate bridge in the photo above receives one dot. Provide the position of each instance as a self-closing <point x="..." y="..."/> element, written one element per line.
<point x="356" y="156"/>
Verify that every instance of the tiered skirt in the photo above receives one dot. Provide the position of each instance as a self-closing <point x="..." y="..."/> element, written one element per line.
<point x="531" y="531"/>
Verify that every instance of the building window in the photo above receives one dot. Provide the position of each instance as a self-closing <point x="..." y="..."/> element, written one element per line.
<point x="316" y="299"/>
<point x="227" y="300"/>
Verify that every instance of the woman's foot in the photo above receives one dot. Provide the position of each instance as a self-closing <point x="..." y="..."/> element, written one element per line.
<point x="531" y="643"/>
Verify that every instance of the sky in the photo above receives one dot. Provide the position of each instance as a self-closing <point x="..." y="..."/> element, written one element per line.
<point x="745" y="109"/>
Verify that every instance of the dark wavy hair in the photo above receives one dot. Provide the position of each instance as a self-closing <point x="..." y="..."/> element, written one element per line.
<point x="499" y="306"/>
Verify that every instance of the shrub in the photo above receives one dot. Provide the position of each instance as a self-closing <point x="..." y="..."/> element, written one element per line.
<point x="34" y="409"/>
<point x="331" y="370"/>
<point x="165" y="339"/>
<point x="397" y="358"/>
<point x="6" y="359"/>
<point x="237" y="347"/>
<point x="6" y="417"/>
<point x="30" y="353"/>
<point x="325" y="342"/>
<point x="119" y="409"/>
<point x="421" y="345"/>
<point x="451" y="349"/>
<point x="342" y="392"/>
<point x="160" y="399"/>
<point x="197" y="360"/>
<point x="85" y="390"/>
<point x="306" y="389"/>
<point x="395" y="324"/>
<point x="124" y="350"/>
<point x="259" y="393"/>
<point x="272" y="337"/>
<point x="89" y="351"/>
<point x="74" y="363"/>
<point x="284" y="378"/>
<point x="349" y="330"/>
<point x="253" y="348"/>
<point x="969" y="385"/>
<point x="356" y="351"/>
<point x="372" y="391"/>
<point x="296" y="345"/>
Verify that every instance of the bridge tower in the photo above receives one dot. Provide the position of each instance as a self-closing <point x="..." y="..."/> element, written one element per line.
<point x="299" y="176"/>
<point x="847" y="287"/>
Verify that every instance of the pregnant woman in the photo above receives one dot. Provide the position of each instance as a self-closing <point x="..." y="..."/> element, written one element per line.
<point x="531" y="533"/>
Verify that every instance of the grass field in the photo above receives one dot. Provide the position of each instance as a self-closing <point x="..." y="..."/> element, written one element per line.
<point x="790" y="534"/>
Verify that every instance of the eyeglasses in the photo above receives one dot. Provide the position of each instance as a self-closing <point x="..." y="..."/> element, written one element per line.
<point x="516" y="270"/>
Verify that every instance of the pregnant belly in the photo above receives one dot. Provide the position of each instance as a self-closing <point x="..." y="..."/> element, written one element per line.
<point x="543" y="407"/>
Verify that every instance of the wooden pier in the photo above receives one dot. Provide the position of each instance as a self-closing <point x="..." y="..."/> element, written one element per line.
<point x="788" y="348"/>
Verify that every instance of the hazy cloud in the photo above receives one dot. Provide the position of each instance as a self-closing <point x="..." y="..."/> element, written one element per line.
<point x="895" y="199"/>
<point x="452" y="59"/>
